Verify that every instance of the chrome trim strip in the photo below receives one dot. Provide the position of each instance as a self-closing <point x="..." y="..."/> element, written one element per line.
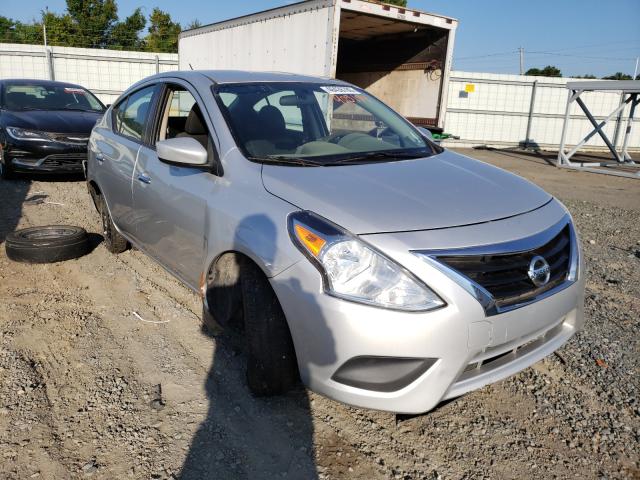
<point x="512" y="247"/>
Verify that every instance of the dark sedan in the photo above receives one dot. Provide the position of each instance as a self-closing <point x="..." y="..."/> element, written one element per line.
<point x="45" y="126"/>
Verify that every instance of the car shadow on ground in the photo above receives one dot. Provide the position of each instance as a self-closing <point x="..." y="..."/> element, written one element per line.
<point x="12" y="196"/>
<point x="251" y="437"/>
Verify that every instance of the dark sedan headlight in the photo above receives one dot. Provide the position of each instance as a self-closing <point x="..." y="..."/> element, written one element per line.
<point x="30" y="135"/>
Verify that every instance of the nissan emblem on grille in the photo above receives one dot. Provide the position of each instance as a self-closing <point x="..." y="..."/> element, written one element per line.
<point x="539" y="271"/>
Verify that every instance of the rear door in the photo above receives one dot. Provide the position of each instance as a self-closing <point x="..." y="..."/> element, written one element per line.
<point x="116" y="154"/>
<point x="171" y="200"/>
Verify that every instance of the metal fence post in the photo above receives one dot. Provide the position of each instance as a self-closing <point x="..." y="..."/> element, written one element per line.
<point x="157" y="64"/>
<point x="534" y="87"/>
<point x="49" y="59"/>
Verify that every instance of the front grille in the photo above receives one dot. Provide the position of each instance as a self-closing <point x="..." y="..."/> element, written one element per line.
<point x="64" y="159"/>
<point x="505" y="276"/>
<point x="80" y="138"/>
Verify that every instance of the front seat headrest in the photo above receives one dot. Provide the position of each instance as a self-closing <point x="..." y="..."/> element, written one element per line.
<point x="195" y="124"/>
<point x="271" y="119"/>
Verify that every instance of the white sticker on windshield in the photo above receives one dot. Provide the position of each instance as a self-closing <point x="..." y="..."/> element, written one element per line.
<point x="338" y="90"/>
<point x="74" y="90"/>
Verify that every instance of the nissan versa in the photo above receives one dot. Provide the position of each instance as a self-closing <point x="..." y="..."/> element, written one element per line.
<point x="352" y="252"/>
<point x="45" y="126"/>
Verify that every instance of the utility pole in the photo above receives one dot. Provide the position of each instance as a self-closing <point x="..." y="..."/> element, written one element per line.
<point x="44" y="26"/>
<point x="521" y="50"/>
<point x="635" y="71"/>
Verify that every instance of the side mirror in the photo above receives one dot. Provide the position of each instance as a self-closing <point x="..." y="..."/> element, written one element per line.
<point x="426" y="132"/>
<point x="185" y="151"/>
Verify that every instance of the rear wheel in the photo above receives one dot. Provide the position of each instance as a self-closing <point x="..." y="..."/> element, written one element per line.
<point x="272" y="368"/>
<point x="114" y="242"/>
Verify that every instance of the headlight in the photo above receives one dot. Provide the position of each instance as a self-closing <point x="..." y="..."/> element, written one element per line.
<point x="22" y="134"/>
<point x="355" y="271"/>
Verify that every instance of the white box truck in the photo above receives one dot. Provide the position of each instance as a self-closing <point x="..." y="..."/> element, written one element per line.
<point x="400" y="55"/>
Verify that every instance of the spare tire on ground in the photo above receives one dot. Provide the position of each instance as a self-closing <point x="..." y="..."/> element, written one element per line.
<point x="48" y="244"/>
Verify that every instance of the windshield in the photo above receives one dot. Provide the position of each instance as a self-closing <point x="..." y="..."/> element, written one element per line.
<point x="315" y="124"/>
<point x="32" y="96"/>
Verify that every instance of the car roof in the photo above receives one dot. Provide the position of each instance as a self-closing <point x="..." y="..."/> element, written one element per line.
<point x="36" y="81"/>
<point x="243" y="76"/>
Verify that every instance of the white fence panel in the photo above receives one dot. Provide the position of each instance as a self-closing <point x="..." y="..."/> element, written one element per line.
<point x="482" y="108"/>
<point x="107" y="73"/>
<point x="495" y="110"/>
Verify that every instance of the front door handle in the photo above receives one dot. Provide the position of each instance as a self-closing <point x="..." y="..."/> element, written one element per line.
<point x="144" y="178"/>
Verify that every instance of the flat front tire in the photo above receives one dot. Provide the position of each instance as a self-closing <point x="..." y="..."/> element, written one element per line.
<point x="113" y="241"/>
<point x="272" y="368"/>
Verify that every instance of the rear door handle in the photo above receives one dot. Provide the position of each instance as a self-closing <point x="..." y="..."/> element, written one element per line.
<point x="144" y="178"/>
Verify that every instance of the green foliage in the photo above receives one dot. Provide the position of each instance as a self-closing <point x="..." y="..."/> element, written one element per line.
<point x="588" y="75"/>
<point x="618" y="76"/>
<point x="91" y="21"/>
<point x="12" y="31"/>
<point x="548" y="71"/>
<point x="163" y="32"/>
<point x="400" y="3"/>
<point x="125" y="35"/>
<point x="194" y="24"/>
<point x="95" y="24"/>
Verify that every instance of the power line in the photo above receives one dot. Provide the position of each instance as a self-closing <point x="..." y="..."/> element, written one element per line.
<point x="582" y="56"/>
<point x="487" y="55"/>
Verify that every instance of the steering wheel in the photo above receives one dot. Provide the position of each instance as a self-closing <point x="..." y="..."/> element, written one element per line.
<point x="334" y="137"/>
<point x="374" y="133"/>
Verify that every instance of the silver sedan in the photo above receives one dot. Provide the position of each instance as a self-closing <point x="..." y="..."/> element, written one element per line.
<point x="352" y="251"/>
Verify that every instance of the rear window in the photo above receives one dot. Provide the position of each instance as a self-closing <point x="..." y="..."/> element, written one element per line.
<point x="33" y="96"/>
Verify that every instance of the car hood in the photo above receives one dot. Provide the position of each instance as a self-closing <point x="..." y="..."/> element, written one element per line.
<point x="446" y="190"/>
<point x="56" y="121"/>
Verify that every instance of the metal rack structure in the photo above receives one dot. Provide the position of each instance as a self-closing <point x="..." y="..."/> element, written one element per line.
<point x="630" y="95"/>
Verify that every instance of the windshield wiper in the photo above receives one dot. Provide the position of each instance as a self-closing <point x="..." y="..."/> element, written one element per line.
<point x="381" y="156"/>
<point x="303" y="162"/>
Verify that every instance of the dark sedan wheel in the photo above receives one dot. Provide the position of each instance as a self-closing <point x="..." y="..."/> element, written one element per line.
<point x="6" y="172"/>
<point x="49" y="244"/>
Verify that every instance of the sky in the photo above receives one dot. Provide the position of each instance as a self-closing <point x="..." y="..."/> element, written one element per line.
<point x="578" y="36"/>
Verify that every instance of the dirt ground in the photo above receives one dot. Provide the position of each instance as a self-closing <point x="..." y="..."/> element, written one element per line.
<point x="105" y="372"/>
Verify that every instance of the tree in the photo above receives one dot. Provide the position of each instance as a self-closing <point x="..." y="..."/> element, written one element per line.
<point x="62" y="31"/>
<point x="194" y="24"/>
<point x="588" y="75"/>
<point x="400" y="3"/>
<point x="12" y="31"/>
<point x="92" y="21"/>
<point x="618" y="76"/>
<point x="163" y="33"/>
<point x="125" y="35"/>
<point x="548" y="71"/>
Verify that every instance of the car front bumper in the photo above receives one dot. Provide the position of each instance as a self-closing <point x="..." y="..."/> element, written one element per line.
<point x="464" y="347"/>
<point x="45" y="157"/>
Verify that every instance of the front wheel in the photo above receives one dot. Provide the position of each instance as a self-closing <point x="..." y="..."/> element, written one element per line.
<point x="114" y="242"/>
<point x="6" y="172"/>
<point x="272" y="368"/>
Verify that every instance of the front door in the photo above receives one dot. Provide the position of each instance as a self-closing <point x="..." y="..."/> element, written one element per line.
<point x="171" y="201"/>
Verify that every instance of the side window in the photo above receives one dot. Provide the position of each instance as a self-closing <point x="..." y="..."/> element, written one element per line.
<point x="291" y="113"/>
<point x="175" y="116"/>
<point x="130" y="116"/>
